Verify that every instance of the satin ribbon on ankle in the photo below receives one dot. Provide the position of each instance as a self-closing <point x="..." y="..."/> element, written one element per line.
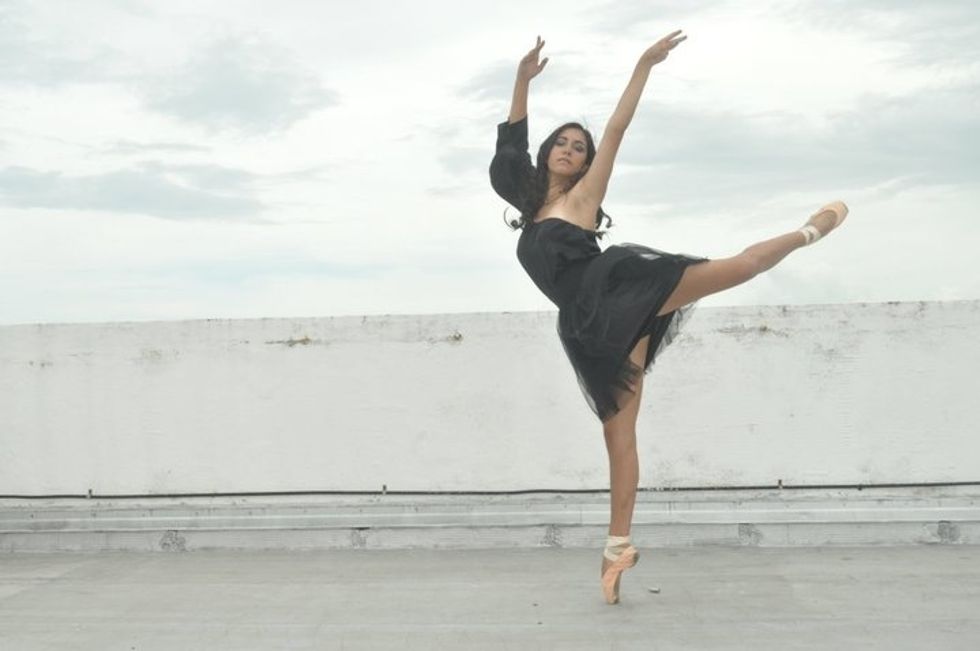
<point x="615" y="541"/>
<point x="811" y="233"/>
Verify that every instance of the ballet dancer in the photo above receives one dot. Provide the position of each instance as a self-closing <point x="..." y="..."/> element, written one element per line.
<point x="619" y="307"/>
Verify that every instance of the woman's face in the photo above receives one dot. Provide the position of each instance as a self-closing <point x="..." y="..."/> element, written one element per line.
<point x="567" y="156"/>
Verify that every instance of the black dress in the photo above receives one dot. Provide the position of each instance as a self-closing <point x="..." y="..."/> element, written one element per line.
<point x="607" y="300"/>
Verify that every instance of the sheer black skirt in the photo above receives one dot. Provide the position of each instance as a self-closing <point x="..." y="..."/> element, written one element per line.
<point x="615" y="305"/>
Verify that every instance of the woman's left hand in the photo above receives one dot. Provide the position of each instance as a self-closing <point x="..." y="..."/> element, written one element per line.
<point x="659" y="50"/>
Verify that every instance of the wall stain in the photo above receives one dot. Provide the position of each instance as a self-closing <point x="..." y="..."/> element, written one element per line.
<point x="749" y="534"/>
<point x="304" y="341"/>
<point x="154" y="355"/>
<point x="455" y="338"/>
<point x="358" y="538"/>
<point x="740" y="331"/>
<point x="828" y="353"/>
<point x="552" y="536"/>
<point x="151" y="355"/>
<point x="172" y="541"/>
<point x="948" y="532"/>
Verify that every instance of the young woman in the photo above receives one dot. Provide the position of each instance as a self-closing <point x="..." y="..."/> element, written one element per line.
<point x="618" y="307"/>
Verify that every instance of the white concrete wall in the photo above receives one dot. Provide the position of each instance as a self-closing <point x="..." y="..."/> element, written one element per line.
<point x="809" y="395"/>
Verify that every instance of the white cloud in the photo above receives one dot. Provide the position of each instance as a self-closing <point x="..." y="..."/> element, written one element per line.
<point x="202" y="159"/>
<point x="174" y="193"/>
<point x="241" y="84"/>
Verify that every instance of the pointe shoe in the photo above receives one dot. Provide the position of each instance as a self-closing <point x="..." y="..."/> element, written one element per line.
<point x="610" y="577"/>
<point x="812" y="233"/>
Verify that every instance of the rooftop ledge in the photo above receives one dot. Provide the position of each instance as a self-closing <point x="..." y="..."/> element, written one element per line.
<point x="757" y="517"/>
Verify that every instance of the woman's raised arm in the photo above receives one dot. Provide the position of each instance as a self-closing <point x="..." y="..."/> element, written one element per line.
<point x="511" y="168"/>
<point x="527" y="69"/>
<point x="593" y="185"/>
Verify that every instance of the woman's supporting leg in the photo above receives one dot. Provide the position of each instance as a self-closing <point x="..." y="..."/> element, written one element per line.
<point x="624" y="464"/>
<point x="706" y="278"/>
<point x="624" y="475"/>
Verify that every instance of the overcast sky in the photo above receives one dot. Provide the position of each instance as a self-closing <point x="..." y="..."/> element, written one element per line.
<point x="195" y="159"/>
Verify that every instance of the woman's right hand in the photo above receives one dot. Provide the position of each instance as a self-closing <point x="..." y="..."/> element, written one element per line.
<point x="659" y="50"/>
<point x="529" y="66"/>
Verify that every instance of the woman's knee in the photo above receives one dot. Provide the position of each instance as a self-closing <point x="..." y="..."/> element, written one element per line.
<point x="620" y="440"/>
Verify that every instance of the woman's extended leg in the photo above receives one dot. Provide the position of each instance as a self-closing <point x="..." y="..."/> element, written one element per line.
<point x="700" y="280"/>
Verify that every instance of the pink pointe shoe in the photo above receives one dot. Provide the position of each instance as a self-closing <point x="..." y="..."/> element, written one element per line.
<point x="610" y="577"/>
<point x="812" y="233"/>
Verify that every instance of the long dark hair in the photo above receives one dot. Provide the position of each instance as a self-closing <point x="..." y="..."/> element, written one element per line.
<point x="536" y="189"/>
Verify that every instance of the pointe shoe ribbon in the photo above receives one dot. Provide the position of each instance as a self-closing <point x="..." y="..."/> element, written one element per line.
<point x="610" y="578"/>
<point x="812" y="233"/>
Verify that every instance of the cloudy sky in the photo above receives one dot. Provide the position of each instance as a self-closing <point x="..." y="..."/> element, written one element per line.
<point x="206" y="159"/>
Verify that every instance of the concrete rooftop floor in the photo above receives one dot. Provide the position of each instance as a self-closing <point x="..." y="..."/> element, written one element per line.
<point x="915" y="597"/>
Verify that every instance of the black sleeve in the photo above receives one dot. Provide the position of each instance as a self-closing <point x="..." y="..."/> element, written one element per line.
<point x="511" y="170"/>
